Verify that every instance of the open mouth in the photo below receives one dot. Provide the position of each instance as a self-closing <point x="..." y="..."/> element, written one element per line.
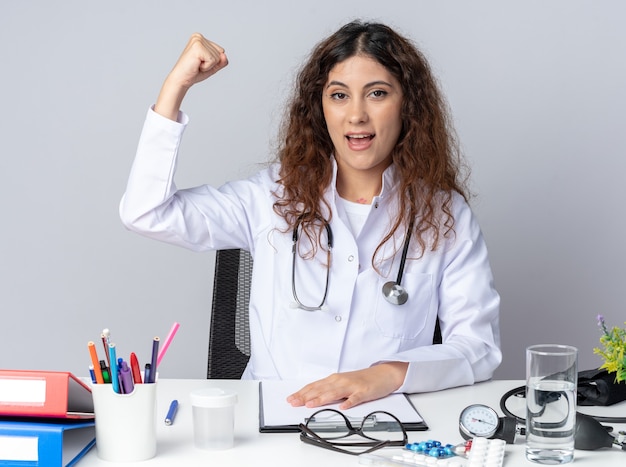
<point x="360" y="142"/>
<point x="360" y="138"/>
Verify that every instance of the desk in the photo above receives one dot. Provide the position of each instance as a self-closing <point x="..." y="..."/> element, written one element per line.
<point x="440" y="410"/>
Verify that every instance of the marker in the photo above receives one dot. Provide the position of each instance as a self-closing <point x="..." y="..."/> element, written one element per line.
<point x="171" y="413"/>
<point x="134" y="367"/>
<point x="106" y="376"/>
<point x="92" y="373"/>
<point x="126" y="378"/>
<point x="94" y="360"/>
<point x="167" y="342"/>
<point x="153" y="362"/>
<point x="115" y="379"/>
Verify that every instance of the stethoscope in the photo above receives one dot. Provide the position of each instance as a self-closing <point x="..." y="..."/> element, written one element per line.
<point x="393" y="291"/>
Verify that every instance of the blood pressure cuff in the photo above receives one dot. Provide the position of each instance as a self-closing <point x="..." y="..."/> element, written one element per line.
<point x="598" y="387"/>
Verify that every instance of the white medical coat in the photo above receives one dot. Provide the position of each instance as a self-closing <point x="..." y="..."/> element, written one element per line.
<point x="357" y="328"/>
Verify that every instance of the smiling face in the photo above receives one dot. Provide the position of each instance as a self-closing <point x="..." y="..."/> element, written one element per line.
<point x="362" y="104"/>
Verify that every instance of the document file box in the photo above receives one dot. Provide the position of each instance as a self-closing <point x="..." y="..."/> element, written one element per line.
<point x="25" y="442"/>
<point x="44" y="394"/>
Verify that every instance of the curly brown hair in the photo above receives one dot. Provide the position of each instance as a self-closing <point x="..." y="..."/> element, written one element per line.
<point x="427" y="154"/>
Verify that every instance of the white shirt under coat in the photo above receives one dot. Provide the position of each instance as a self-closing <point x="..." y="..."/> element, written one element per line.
<point x="357" y="327"/>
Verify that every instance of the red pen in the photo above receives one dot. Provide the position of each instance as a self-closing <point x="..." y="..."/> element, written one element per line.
<point x="134" y="366"/>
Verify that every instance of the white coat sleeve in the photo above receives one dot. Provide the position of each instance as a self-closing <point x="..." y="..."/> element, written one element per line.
<point x="468" y="313"/>
<point x="200" y="218"/>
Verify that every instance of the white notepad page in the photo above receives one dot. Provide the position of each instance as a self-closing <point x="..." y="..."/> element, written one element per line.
<point x="278" y="412"/>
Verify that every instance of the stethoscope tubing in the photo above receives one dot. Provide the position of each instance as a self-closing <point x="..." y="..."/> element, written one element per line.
<point x="294" y="252"/>
<point x="405" y="252"/>
<point x="393" y="292"/>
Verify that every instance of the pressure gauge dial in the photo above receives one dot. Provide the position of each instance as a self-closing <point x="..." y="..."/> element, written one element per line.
<point x="478" y="420"/>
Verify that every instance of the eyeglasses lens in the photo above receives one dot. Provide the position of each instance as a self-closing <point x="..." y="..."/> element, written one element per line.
<point x="382" y="427"/>
<point x="334" y="430"/>
<point x="329" y="425"/>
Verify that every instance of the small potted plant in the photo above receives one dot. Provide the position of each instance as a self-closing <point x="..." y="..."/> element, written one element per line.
<point x="613" y="351"/>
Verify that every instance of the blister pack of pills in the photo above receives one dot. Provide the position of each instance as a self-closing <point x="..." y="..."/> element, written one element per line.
<point x="486" y="453"/>
<point x="478" y="452"/>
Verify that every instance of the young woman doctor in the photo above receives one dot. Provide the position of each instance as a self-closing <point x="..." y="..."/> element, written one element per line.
<point x="360" y="231"/>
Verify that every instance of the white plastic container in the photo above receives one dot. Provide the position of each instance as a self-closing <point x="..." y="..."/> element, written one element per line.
<point x="213" y="418"/>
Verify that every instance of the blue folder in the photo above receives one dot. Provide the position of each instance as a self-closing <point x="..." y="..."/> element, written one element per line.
<point x="26" y="442"/>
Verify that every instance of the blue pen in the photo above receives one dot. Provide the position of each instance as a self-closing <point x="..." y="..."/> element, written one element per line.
<point x="171" y="413"/>
<point x="146" y="373"/>
<point x="115" y="378"/>
<point x="92" y="373"/>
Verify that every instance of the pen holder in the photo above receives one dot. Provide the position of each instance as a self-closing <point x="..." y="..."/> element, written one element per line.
<point x="125" y="423"/>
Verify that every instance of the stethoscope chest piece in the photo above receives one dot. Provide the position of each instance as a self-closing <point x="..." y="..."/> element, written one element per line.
<point x="394" y="293"/>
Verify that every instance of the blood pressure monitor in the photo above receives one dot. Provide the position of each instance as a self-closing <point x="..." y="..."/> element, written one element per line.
<point x="478" y="420"/>
<point x="481" y="421"/>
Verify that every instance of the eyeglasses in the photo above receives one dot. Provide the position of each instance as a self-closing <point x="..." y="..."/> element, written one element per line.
<point x="329" y="429"/>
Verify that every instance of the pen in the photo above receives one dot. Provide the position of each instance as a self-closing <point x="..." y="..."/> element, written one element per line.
<point x="92" y="373"/>
<point x="94" y="361"/>
<point x="107" y="339"/>
<point x="167" y="342"/>
<point x="134" y="366"/>
<point x="105" y="344"/>
<point x="153" y="362"/>
<point x="114" y="373"/>
<point x="171" y="413"/>
<point x="146" y="373"/>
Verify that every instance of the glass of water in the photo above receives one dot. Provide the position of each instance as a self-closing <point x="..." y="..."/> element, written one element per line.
<point x="551" y="379"/>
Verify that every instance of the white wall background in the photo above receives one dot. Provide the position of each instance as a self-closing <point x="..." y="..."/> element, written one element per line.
<point x="538" y="94"/>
